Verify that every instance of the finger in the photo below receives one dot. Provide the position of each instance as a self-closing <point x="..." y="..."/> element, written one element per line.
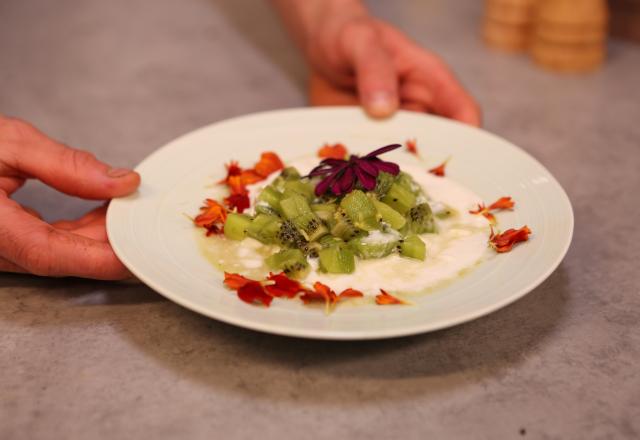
<point x="449" y="97"/>
<point x="43" y="250"/>
<point x="414" y="107"/>
<point x="32" y="212"/>
<point x="413" y="91"/>
<point x="69" y="170"/>
<point x="8" y="266"/>
<point x="323" y="92"/>
<point x="11" y="184"/>
<point x="376" y="78"/>
<point x="89" y="217"/>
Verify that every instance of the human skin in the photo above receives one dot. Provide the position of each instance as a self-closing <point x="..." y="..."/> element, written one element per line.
<point x="357" y="59"/>
<point x="64" y="248"/>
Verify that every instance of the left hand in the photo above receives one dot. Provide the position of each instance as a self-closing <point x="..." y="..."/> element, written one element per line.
<point x="361" y="60"/>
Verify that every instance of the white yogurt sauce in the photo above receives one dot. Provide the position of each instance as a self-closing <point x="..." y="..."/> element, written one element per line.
<point x="460" y="244"/>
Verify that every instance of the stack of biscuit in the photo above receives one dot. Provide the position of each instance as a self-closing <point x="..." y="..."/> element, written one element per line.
<point x="508" y="24"/>
<point x="570" y="35"/>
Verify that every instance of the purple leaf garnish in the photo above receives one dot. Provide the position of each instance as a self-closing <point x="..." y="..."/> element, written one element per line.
<point x="341" y="176"/>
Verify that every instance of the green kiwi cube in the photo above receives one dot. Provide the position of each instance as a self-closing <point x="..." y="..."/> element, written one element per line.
<point x="337" y="259"/>
<point x="420" y="219"/>
<point x="360" y="209"/>
<point x="291" y="261"/>
<point x="235" y="228"/>
<point x="399" y="198"/>
<point x="413" y="247"/>
<point x="390" y="215"/>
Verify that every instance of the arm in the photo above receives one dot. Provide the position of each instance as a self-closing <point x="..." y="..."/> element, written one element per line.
<point x="356" y="58"/>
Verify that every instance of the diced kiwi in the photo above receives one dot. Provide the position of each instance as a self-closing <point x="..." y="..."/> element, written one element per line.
<point x="288" y="235"/>
<point x="302" y="187"/>
<point x="343" y="227"/>
<point x="337" y="259"/>
<point x="329" y="240"/>
<point x="366" y="249"/>
<point x="383" y="183"/>
<point x="420" y="219"/>
<point x="264" y="228"/>
<point x="311" y="226"/>
<point x="413" y="247"/>
<point x="266" y="210"/>
<point x="235" y="228"/>
<point x="400" y="198"/>
<point x="290" y="173"/>
<point x="442" y="211"/>
<point x="360" y="209"/>
<point x="406" y="181"/>
<point x="296" y="208"/>
<point x="271" y="196"/>
<point x="291" y="261"/>
<point x="390" y="215"/>
<point x="325" y="211"/>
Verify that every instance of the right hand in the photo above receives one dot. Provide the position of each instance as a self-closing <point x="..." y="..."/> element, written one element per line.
<point x="65" y="248"/>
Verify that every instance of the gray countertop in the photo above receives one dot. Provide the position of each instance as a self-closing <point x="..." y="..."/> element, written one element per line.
<point x="85" y="359"/>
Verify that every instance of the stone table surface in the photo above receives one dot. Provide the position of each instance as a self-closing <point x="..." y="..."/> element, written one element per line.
<point x="86" y="359"/>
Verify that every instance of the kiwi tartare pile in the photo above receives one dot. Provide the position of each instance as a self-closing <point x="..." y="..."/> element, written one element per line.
<point x="335" y="230"/>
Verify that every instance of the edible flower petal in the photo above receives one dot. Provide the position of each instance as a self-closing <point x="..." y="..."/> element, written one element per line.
<point x="505" y="241"/>
<point x="212" y="217"/>
<point x="235" y="281"/>
<point x="384" y="299"/>
<point x="269" y="163"/>
<point x="412" y="146"/>
<point x="320" y="292"/>
<point x="501" y="203"/>
<point x="283" y="286"/>
<point x="237" y="202"/>
<point x="336" y="151"/>
<point x="350" y="293"/>
<point x="233" y="169"/>
<point x="253" y="293"/>
<point x="439" y="170"/>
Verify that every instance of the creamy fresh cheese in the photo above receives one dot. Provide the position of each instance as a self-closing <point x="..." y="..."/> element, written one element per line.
<point x="461" y="242"/>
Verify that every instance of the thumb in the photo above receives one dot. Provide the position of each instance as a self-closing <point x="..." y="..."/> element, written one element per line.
<point x="74" y="172"/>
<point x="376" y="77"/>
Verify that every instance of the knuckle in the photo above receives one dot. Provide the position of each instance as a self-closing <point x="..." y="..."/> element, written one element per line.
<point x="78" y="159"/>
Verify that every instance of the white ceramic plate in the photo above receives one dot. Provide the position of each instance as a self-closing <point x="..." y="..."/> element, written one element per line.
<point x="153" y="238"/>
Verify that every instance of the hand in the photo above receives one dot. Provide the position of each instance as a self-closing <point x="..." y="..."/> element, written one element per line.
<point x="65" y="248"/>
<point x="359" y="59"/>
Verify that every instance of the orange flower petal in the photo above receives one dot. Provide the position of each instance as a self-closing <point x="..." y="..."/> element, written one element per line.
<point x="439" y="170"/>
<point x="253" y="293"/>
<point x="384" y="299"/>
<point x="233" y="169"/>
<point x="235" y="281"/>
<point x="502" y="203"/>
<point x="336" y="151"/>
<point x="505" y="241"/>
<point x="283" y="286"/>
<point x="249" y="177"/>
<point x="412" y="146"/>
<point x="212" y="217"/>
<point x="321" y="292"/>
<point x="350" y="293"/>
<point x="269" y="163"/>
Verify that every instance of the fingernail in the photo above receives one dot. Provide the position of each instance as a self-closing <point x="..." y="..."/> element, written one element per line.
<point x="119" y="172"/>
<point x="380" y="103"/>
